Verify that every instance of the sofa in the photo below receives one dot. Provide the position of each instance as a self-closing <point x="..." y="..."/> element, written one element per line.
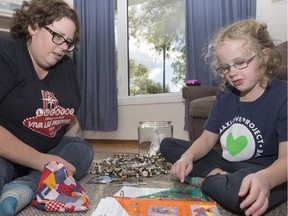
<point x="199" y="99"/>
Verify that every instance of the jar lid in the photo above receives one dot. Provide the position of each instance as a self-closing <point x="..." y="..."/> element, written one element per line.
<point x="155" y="123"/>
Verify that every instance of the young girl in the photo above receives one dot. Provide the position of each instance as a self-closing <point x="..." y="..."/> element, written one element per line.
<point x="249" y="117"/>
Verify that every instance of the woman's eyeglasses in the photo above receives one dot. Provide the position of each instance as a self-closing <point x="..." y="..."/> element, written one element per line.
<point x="239" y="65"/>
<point x="60" y="39"/>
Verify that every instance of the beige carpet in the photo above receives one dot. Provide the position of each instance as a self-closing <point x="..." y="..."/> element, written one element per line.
<point x="98" y="191"/>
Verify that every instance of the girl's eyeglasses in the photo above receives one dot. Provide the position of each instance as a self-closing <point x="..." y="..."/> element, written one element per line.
<point x="239" y="65"/>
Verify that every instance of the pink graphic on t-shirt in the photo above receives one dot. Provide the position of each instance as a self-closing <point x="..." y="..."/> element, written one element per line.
<point x="51" y="117"/>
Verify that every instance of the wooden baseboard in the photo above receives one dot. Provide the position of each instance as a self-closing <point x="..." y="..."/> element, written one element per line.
<point x="113" y="142"/>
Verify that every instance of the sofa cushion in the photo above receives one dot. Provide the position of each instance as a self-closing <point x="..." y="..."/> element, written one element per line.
<point x="200" y="108"/>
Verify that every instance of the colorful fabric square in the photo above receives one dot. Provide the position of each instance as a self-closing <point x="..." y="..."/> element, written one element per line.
<point x="58" y="191"/>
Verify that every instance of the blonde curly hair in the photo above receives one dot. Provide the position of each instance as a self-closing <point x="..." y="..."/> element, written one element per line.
<point x="257" y="38"/>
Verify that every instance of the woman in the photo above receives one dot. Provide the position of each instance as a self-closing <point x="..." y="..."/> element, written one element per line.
<point x="39" y="100"/>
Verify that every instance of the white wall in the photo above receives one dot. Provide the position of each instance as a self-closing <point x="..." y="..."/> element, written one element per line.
<point x="274" y="14"/>
<point x="69" y="2"/>
<point x="130" y="114"/>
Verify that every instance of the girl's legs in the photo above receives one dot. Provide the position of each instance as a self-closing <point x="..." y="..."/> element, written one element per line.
<point x="172" y="149"/>
<point x="72" y="149"/>
<point x="223" y="188"/>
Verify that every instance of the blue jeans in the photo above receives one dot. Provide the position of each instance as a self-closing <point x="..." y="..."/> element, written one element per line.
<point x="73" y="149"/>
<point x="223" y="189"/>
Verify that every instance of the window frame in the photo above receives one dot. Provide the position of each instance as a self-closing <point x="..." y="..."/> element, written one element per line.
<point x="123" y="59"/>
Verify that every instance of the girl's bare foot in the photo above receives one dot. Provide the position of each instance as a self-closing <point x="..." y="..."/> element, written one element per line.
<point x="197" y="181"/>
<point x="200" y="181"/>
<point x="217" y="171"/>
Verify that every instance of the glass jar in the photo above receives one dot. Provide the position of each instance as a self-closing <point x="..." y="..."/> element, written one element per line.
<point x="150" y="135"/>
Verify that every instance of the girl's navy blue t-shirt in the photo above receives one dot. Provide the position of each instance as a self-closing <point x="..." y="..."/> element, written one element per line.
<point x="250" y="131"/>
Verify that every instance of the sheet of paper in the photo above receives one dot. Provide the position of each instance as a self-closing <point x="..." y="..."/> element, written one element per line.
<point x="109" y="207"/>
<point x="127" y="191"/>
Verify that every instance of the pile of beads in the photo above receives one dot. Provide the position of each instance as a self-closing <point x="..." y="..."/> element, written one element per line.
<point x="126" y="166"/>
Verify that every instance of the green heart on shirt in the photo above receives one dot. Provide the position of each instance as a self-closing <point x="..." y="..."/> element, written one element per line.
<point x="235" y="146"/>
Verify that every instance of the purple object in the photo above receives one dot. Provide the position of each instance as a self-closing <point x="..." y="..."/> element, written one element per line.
<point x="193" y="83"/>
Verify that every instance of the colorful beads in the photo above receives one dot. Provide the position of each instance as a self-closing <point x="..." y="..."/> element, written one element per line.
<point x="125" y="166"/>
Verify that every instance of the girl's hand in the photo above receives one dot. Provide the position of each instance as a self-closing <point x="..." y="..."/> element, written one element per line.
<point x="201" y="147"/>
<point x="257" y="200"/>
<point x="182" y="168"/>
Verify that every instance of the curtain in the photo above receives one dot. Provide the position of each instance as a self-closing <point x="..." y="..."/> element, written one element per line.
<point x="96" y="65"/>
<point x="204" y="18"/>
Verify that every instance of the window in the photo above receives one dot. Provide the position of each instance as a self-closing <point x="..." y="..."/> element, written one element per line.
<point x="10" y="4"/>
<point x="152" y="58"/>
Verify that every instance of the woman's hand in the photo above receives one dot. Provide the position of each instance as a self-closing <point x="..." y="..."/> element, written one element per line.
<point x="182" y="168"/>
<point x="47" y="158"/>
<point x="258" y="188"/>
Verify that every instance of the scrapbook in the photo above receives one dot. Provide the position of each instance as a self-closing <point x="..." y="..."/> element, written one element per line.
<point x="134" y="201"/>
<point x="162" y="207"/>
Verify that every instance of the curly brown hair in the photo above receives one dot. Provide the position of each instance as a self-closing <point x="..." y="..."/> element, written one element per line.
<point x="42" y="12"/>
<point x="257" y="38"/>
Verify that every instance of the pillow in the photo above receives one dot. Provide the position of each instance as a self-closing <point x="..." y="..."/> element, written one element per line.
<point x="201" y="107"/>
<point x="57" y="190"/>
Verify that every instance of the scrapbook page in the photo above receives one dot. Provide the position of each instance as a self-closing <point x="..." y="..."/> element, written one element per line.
<point x="161" y="207"/>
<point x="178" y="194"/>
<point x="157" y="202"/>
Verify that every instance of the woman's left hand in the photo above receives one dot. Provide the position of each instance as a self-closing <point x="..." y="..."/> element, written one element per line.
<point x="258" y="188"/>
